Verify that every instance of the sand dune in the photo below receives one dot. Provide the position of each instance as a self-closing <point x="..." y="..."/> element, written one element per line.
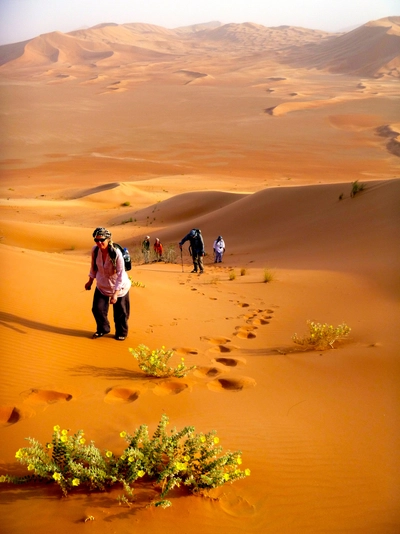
<point x="150" y="131"/>
<point x="371" y="50"/>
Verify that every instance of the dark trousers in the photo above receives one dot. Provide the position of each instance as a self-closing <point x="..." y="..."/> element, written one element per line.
<point x="197" y="261"/>
<point x="121" y="310"/>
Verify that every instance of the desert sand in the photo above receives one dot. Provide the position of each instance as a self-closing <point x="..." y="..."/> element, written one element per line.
<point x="249" y="132"/>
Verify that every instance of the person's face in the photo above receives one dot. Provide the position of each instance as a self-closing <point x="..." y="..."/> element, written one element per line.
<point x="101" y="242"/>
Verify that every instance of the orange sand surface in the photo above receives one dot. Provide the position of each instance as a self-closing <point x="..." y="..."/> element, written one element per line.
<point x="259" y="150"/>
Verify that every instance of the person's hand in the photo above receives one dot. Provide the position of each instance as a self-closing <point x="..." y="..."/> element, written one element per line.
<point x="113" y="299"/>
<point x="88" y="286"/>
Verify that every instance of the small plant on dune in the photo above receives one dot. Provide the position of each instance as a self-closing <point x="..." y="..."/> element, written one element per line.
<point x="356" y="188"/>
<point x="136" y="283"/>
<point x="169" y="254"/>
<point x="243" y="271"/>
<point x="267" y="276"/>
<point x="155" y="362"/>
<point x="168" y="458"/>
<point x="232" y="274"/>
<point x="321" y="336"/>
<point x="126" y="203"/>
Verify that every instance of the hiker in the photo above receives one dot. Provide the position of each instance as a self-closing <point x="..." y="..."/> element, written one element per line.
<point x="219" y="249"/>
<point x="158" y="249"/>
<point x="196" y="249"/>
<point x="146" y="249"/>
<point x="112" y="286"/>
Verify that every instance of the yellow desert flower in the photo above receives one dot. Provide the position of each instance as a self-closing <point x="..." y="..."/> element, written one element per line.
<point x="122" y="434"/>
<point x="57" y="476"/>
<point x="76" y="482"/>
<point x="31" y="467"/>
<point x="64" y="432"/>
<point x="109" y="454"/>
<point x="203" y="439"/>
<point x="141" y="473"/>
<point x="19" y="453"/>
<point x="64" y="438"/>
<point x="56" y="428"/>
<point x="49" y="445"/>
<point x="247" y="472"/>
<point x="226" y="476"/>
<point x="216" y="439"/>
<point x="2" y="478"/>
<point x="82" y="441"/>
<point x="131" y="459"/>
<point x="239" y="460"/>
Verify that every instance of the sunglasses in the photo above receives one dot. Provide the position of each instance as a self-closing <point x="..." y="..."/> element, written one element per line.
<point x="100" y="239"/>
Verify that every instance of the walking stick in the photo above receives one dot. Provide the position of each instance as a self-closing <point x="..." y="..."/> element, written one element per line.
<point x="181" y="259"/>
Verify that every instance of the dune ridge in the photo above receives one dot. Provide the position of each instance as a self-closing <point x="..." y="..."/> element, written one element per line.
<point x="370" y="50"/>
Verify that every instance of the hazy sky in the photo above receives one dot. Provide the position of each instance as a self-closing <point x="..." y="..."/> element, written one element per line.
<point x="25" y="19"/>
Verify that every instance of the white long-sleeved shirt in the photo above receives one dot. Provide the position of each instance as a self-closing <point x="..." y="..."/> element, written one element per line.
<point x="219" y="245"/>
<point x="110" y="279"/>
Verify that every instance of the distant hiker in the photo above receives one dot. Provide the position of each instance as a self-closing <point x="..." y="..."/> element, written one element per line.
<point x="146" y="249"/>
<point x="112" y="286"/>
<point x="219" y="249"/>
<point x="196" y="249"/>
<point x="158" y="249"/>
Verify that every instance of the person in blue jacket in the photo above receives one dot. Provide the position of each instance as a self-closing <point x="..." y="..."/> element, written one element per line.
<point x="196" y="249"/>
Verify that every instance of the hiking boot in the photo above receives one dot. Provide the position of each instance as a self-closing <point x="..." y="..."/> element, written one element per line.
<point x="194" y="271"/>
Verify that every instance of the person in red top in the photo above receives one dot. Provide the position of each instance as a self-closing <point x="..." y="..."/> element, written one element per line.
<point x="158" y="249"/>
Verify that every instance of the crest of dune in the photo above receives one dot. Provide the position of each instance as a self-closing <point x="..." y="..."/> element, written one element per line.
<point x="371" y="50"/>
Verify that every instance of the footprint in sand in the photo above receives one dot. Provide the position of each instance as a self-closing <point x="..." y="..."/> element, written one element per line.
<point x="231" y="384"/>
<point x="170" y="387"/>
<point x="221" y="349"/>
<point x="208" y="372"/>
<point x="44" y="396"/>
<point x="9" y="415"/>
<point x="183" y="351"/>
<point x="121" y="395"/>
<point x="230" y="362"/>
<point x="216" y="340"/>
<point x="246" y="332"/>
<point x="260" y="321"/>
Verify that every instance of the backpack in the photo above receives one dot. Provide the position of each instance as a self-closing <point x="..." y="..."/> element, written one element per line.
<point x="113" y="255"/>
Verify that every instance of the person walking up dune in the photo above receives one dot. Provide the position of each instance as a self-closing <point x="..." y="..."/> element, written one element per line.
<point x="112" y="286"/>
<point x="219" y="249"/>
<point x="158" y="249"/>
<point x="196" y="249"/>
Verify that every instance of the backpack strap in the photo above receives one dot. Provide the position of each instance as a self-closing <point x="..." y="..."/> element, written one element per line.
<point x="95" y="252"/>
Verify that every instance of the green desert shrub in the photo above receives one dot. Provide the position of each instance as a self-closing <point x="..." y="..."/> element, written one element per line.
<point x="321" y="336"/>
<point x="356" y="187"/>
<point x="232" y="274"/>
<point x="169" y="254"/>
<point x="169" y="459"/>
<point x="268" y="276"/>
<point x="156" y="362"/>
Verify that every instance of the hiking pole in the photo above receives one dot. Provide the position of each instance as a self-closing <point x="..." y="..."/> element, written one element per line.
<point x="181" y="259"/>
